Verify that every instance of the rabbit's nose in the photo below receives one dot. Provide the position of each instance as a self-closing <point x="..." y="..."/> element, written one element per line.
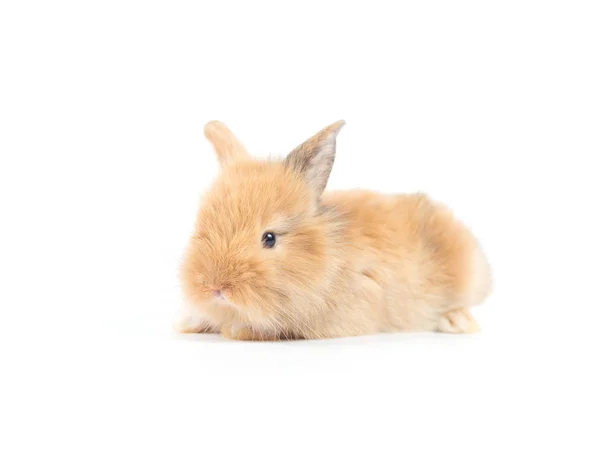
<point x="217" y="294"/>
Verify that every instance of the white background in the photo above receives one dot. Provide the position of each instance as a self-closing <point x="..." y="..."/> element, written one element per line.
<point x="491" y="107"/>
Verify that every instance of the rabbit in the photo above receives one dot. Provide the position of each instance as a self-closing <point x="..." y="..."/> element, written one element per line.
<point x="274" y="257"/>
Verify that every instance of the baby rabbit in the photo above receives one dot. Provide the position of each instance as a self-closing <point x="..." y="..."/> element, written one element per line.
<point x="274" y="257"/>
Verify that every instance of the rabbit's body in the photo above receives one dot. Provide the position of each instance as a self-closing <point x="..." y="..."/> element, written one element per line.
<point x="408" y="262"/>
<point x="344" y="263"/>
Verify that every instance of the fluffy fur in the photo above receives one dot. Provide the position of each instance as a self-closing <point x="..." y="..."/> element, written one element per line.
<point x="345" y="263"/>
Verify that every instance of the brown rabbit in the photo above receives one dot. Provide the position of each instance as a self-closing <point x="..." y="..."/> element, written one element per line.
<point x="273" y="257"/>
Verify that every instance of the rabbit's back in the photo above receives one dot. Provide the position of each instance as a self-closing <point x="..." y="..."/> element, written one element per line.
<point x="425" y="261"/>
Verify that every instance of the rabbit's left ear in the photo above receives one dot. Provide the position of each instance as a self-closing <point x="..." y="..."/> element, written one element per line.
<point x="314" y="158"/>
<point x="228" y="147"/>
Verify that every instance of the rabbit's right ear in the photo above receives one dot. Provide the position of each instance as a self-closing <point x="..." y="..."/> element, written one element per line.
<point x="314" y="158"/>
<point x="228" y="147"/>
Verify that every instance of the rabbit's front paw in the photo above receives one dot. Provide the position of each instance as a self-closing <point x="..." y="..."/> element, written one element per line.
<point x="190" y="320"/>
<point x="247" y="334"/>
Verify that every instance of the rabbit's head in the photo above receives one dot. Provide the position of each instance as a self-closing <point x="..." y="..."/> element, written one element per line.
<point x="263" y="247"/>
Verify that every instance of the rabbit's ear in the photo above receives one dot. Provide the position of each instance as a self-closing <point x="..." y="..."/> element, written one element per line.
<point x="314" y="158"/>
<point x="228" y="147"/>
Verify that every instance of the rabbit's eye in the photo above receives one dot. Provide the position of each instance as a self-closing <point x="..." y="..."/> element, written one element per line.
<point x="269" y="239"/>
